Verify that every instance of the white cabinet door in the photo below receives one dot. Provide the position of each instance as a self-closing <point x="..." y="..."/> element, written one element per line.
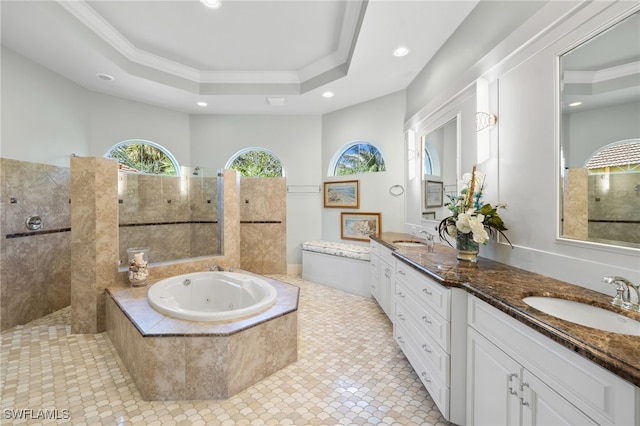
<point x="493" y="381"/>
<point x="374" y="265"/>
<point x="541" y="405"/>
<point x="502" y="392"/>
<point x="387" y="284"/>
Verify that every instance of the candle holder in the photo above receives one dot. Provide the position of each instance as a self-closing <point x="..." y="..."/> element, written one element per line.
<point x="138" y="260"/>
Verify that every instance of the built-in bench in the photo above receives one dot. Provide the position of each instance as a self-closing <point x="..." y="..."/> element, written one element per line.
<point x="340" y="265"/>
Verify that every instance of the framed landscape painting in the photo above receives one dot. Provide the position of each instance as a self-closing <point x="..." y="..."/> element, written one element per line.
<point x="433" y="194"/>
<point x="342" y="194"/>
<point x="358" y="226"/>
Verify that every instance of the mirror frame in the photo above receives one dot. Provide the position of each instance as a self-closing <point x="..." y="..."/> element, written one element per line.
<point x="558" y="129"/>
<point x="432" y="126"/>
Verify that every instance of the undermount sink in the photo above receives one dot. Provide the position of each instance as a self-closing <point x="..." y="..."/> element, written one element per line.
<point x="403" y="243"/>
<point x="584" y="314"/>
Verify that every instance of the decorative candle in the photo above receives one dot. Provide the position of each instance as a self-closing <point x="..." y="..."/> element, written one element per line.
<point x="139" y="258"/>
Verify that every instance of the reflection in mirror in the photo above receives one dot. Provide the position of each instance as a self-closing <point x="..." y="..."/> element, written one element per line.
<point x="439" y="169"/>
<point x="175" y="216"/>
<point x="600" y="137"/>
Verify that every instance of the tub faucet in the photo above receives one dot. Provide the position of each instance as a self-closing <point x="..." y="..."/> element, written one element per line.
<point x="216" y="268"/>
<point x="623" y="292"/>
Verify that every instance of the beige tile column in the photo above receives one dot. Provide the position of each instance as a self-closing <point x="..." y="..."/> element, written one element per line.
<point x="575" y="215"/>
<point x="94" y="240"/>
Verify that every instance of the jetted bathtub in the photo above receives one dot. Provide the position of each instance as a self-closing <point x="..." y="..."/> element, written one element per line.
<point x="212" y="296"/>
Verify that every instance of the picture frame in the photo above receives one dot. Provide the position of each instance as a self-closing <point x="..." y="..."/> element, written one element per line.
<point x="429" y="215"/>
<point x="433" y="194"/>
<point x="342" y="194"/>
<point x="359" y="226"/>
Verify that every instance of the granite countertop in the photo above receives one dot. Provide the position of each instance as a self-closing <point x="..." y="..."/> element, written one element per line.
<point x="504" y="287"/>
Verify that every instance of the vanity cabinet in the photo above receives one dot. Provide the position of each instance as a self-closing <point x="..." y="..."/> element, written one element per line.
<point x="383" y="268"/>
<point x="430" y="338"/>
<point x="503" y="392"/>
<point x="518" y="376"/>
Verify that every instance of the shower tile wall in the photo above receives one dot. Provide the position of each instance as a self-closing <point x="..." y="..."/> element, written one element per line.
<point x="263" y="226"/>
<point x="175" y="216"/>
<point x="614" y="207"/>
<point x="35" y="267"/>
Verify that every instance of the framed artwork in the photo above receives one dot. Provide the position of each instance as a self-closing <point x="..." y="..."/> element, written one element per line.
<point x="342" y="194"/>
<point x="433" y="194"/>
<point x="429" y="215"/>
<point x="358" y="226"/>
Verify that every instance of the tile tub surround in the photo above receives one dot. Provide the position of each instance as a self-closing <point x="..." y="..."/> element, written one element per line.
<point x="173" y="359"/>
<point x="504" y="287"/>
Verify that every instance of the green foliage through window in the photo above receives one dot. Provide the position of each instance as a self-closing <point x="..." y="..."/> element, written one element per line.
<point x="359" y="158"/>
<point x="257" y="163"/>
<point x="144" y="157"/>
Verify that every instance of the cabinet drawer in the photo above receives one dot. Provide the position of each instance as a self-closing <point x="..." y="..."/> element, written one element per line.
<point x="422" y="316"/>
<point x="425" y="289"/>
<point x="597" y="392"/>
<point x="438" y="391"/>
<point x="430" y="353"/>
<point x="374" y="248"/>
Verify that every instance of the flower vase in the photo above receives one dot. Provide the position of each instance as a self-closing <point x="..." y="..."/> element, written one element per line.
<point x="467" y="248"/>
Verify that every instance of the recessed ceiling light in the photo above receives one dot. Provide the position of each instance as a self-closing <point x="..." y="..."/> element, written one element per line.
<point x="105" y="77"/>
<point x="401" y="51"/>
<point x="575" y="104"/>
<point x="327" y="95"/>
<point x="213" y="4"/>
<point x="202" y="104"/>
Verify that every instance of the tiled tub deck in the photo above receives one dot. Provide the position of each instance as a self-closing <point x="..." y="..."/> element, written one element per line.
<point x="173" y="359"/>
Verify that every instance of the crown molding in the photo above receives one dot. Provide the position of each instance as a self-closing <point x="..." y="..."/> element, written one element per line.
<point x="350" y="29"/>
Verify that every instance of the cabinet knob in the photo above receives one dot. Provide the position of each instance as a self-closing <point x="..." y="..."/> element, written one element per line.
<point x="426" y="348"/>
<point x="426" y="319"/>
<point x="401" y="317"/>
<point x="401" y="272"/>
<point x="427" y="292"/>
<point x="424" y="376"/>
<point x="400" y="294"/>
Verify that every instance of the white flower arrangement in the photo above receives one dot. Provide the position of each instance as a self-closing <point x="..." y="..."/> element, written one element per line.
<point x="469" y="215"/>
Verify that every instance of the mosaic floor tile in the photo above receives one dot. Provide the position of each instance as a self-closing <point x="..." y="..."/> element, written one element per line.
<point x="349" y="372"/>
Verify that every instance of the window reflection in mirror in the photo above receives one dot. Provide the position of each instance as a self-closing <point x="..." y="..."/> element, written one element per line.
<point x="600" y="137"/>
<point x="439" y="149"/>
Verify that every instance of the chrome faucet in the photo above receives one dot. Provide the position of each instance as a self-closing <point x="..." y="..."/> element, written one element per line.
<point x="623" y="293"/>
<point x="429" y="238"/>
<point x="216" y="268"/>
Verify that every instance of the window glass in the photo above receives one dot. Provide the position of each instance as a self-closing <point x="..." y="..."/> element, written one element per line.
<point x="359" y="157"/>
<point x="256" y="162"/>
<point x="144" y="157"/>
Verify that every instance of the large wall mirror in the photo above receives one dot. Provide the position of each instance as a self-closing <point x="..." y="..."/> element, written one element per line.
<point x="439" y="157"/>
<point x="600" y="137"/>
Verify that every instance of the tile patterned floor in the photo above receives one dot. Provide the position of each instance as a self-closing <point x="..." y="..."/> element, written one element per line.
<point x="349" y="372"/>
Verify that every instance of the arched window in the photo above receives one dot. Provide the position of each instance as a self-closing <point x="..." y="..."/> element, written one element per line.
<point x="256" y="162"/>
<point x="359" y="157"/>
<point x="427" y="164"/>
<point x="142" y="156"/>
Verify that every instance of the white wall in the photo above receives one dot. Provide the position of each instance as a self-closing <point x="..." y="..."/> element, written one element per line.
<point x="590" y="130"/>
<point x="524" y="167"/>
<point x="114" y="120"/>
<point x="45" y="117"/>
<point x="378" y="122"/>
<point x="295" y="139"/>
